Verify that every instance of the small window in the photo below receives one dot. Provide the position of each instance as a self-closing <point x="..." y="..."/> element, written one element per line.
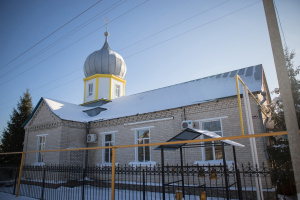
<point x="143" y="153"/>
<point x="211" y="152"/>
<point x="91" y="89"/>
<point x="41" y="147"/>
<point x="117" y="90"/>
<point x="108" y="140"/>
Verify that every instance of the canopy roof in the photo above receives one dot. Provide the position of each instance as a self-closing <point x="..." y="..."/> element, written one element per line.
<point x="191" y="134"/>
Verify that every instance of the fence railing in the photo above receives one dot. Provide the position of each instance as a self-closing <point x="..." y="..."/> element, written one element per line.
<point x="75" y="182"/>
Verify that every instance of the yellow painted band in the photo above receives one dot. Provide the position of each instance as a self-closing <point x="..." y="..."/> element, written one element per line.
<point x="84" y="92"/>
<point x="104" y="76"/>
<point x="94" y="101"/>
<point x="237" y="79"/>
<point x="239" y="102"/>
<point x="97" y="88"/>
<point x="110" y="87"/>
<point x="113" y="170"/>
<point x="124" y="89"/>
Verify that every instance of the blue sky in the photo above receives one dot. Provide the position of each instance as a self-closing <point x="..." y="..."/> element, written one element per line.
<point x="162" y="42"/>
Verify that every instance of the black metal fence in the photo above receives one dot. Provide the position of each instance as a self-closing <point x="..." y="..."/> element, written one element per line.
<point x="188" y="182"/>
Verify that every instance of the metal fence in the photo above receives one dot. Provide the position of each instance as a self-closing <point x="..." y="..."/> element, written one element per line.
<point x="188" y="182"/>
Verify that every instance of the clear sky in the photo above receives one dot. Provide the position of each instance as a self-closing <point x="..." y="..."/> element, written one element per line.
<point x="162" y="42"/>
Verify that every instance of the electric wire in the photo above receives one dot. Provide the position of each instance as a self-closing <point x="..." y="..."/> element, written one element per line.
<point x="231" y="13"/>
<point x="64" y="49"/>
<point x="189" y="18"/>
<point x="50" y="34"/>
<point x="62" y="38"/>
<point x="3" y="83"/>
<point x="283" y="36"/>
<point x="39" y="94"/>
<point x="174" y="36"/>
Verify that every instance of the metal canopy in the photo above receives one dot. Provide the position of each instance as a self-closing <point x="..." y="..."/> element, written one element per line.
<point x="191" y="134"/>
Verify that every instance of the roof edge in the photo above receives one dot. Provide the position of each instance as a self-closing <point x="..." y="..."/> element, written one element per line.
<point x="32" y="113"/>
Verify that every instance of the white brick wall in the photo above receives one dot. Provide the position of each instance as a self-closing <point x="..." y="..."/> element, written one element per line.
<point x="63" y="134"/>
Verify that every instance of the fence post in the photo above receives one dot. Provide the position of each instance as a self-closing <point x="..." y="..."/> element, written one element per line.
<point x="163" y="172"/>
<point x="225" y="171"/>
<point x="113" y="171"/>
<point x="83" y="177"/>
<point x="20" y="174"/>
<point x="43" y="186"/>
<point x="238" y="176"/>
<point x="144" y="186"/>
<point x="16" y="177"/>
<point x="182" y="173"/>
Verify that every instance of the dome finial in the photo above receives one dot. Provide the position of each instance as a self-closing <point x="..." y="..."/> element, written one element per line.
<point x="106" y="20"/>
<point x="106" y="35"/>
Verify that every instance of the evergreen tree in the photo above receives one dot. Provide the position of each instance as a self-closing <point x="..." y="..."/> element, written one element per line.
<point x="13" y="135"/>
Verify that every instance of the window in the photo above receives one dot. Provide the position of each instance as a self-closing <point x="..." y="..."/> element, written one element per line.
<point x="117" y="90"/>
<point x="108" y="140"/>
<point x="40" y="147"/>
<point x="143" y="137"/>
<point x="210" y="152"/>
<point x="90" y="89"/>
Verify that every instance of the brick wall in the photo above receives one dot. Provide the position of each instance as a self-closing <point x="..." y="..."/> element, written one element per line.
<point x="63" y="134"/>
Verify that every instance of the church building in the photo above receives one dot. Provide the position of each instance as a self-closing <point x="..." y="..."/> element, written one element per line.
<point x="107" y="117"/>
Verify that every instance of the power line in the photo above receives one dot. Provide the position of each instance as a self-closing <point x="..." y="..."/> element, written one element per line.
<point x="50" y="34"/>
<point x="167" y="39"/>
<point x="280" y="24"/>
<point x="49" y="90"/>
<point x="193" y="29"/>
<point x="72" y="43"/>
<point x="174" y="25"/>
<point x="61" y="39"/>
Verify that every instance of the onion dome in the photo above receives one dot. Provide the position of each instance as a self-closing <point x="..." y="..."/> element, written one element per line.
<point x="105" y="61"/>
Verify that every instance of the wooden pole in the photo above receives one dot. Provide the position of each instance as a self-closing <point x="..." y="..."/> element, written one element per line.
<point x="20" y="174"/>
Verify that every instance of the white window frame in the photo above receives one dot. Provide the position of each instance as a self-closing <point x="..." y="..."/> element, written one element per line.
<point x="90" y="87"/>
<point x="117" y="90"/>
<point x="103" y="144"/>
<point x="202" y="137"/>
<point x="136" y="142"/>
<point x="40" y="147"/>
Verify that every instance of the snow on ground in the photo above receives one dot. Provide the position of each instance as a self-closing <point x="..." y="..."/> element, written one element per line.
<point x="6" y="196"/>
<point x="66" y="193"/>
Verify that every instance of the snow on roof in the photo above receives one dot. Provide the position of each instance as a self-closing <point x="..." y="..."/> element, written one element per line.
<point x="191" y="134"/>
<point x="214" y="135"/>
<point x="174" y="96"/>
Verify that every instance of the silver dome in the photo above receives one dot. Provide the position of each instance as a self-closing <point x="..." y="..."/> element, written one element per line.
<point x="105" y="61"/>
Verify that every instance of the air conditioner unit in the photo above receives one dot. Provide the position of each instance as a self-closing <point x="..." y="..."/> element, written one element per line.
<point x="91" y="138"/>
<point x="187" y="124"/>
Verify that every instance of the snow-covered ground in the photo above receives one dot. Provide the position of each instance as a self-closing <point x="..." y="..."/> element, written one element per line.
<point x="6" y="196"/>
<point x="65" y="193"/>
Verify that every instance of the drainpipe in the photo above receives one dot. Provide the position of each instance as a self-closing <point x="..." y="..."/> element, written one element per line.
<point x="262" y="123"/>
<point x="87" y="145"/>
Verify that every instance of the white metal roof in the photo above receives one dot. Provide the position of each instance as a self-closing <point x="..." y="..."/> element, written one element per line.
<point x="193" y="92"/>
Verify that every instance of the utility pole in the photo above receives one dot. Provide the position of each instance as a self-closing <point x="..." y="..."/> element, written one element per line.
<point x="285" y="90"/>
